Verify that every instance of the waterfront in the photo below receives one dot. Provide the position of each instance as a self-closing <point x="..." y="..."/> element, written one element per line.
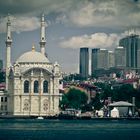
<point x="31" y="129"/>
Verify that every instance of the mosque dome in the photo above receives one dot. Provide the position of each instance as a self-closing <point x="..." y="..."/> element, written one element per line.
<point x="32" y="57"/>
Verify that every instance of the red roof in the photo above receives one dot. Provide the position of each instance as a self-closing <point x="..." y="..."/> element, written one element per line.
<point x="2" y="85"/>
<point x="130" y="80"/>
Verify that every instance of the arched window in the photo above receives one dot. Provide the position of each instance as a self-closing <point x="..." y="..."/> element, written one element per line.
<point x="26" y="86"/>
<point x="36" y="86"/>
<point x="45" y="86"/>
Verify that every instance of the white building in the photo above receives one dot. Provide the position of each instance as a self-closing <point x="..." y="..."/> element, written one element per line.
<point x="115" y="113"/>
<point x="32" y="82"/>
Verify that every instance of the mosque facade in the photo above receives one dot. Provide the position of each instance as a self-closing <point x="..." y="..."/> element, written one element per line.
<point x="32" y="82"/>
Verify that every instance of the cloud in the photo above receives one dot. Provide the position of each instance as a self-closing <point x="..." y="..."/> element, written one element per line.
<point x="90" y="15"/>
<point x="20" y="7"/>
<point x="97" y="40"/>
<point x="109" y="13"/>
<point x="26" y="13"/>
<point x="26" y="24"/>
<point x="19" y="24"/>
<point x="82" y="13"/>
<point x="35" y="6"/>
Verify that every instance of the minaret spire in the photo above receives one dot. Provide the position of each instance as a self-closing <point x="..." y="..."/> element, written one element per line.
<point x="8" y="50"/>
<point x="42" y="35"/>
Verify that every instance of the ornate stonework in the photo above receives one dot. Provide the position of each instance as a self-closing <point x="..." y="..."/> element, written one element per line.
<point x="33" y="85"/>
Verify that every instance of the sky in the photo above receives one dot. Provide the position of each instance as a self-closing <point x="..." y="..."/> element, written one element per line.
<point x="70" y="25"/>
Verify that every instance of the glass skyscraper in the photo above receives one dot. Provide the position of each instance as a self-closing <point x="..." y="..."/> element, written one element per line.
<point x="111" y="59"/>
<point x="1" y="64"/>
<point x="120" y="57"/>
<point x="131" y="44"/>
<point x="94" y="59"/>
<point x="84" y="62"/>
<point x="103" y="59"/>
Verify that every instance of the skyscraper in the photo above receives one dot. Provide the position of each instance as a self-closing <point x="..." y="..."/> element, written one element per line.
<point x="102" y="59"/>
<point x="94" y="60"/>
<point x="120" y="57"/>
<point x="111" y="59"/>
<point x="138" y="58"/>
<point x="131" y="44"/>
<point x="84" y="62"/>
<point x="1" y="64"/>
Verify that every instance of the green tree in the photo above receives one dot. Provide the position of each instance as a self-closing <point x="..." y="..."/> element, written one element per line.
<point x="64" y="102"/>
<point x="124" y="93"/>
<point x="75" y="98"/>
<point x="96" y="102"/>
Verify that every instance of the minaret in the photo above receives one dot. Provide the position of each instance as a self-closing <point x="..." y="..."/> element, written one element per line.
<point x="8" y="50"/>
<point x="42" y="35"/>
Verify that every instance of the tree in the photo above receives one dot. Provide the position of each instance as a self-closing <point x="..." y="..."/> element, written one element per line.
<point x="96" y="102"/>
<point x="124" y="93"/>
<point x="64" y="102"/>
<point x="75" y="98"/>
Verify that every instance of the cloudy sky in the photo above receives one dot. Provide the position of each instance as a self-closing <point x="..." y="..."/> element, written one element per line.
<point x="71" y="24"/>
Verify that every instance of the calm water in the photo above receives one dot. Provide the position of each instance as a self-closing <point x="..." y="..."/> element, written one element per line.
<point x="69" y="130"/>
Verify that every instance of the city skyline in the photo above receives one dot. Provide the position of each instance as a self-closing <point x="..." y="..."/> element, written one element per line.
<point x="70" y="26"/>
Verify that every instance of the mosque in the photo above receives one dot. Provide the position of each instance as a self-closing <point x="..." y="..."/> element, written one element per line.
<point x="32" y="82"/>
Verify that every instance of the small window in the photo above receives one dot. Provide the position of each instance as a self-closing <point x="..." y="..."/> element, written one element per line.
<point x="1" y="99"/>
<point x="36" y="87"/>
<point x="45" y="86"/>
<point x="5" y="99"/>
<point x="1" y="107"/>
<point x="5" y="107"/>
<point x="26" y="86"/>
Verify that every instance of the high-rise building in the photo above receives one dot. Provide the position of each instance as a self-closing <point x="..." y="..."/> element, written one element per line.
<point x="102" y="59"/>
<point x="120" y="57"/>
<point x="138" y="58"/>
<point x="84" y="62"/>
<point x="94" y="60"/>
<point x="111" y="59"/>
<point x="1" y="64"/>
<point x="131" y="44"/>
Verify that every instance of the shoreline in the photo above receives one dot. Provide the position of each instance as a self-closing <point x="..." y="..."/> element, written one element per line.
<point x="68" y="118"/>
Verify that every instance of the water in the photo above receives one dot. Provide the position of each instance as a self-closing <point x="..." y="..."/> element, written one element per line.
<point x="69" y="129"/>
